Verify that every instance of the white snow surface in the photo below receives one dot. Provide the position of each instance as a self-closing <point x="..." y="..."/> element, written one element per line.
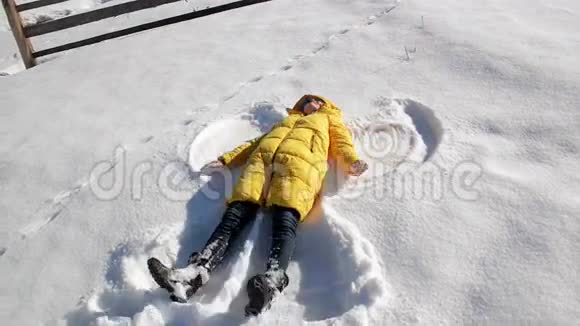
<point x="467" y="112"/>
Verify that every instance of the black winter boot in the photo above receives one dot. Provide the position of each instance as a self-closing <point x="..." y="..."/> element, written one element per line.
<point x="262" y="288"/>
<point x="184" y="282"/>
<point x="180" y="283"/>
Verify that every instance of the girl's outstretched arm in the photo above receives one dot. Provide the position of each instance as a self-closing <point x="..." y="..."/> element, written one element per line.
<point x="342" y="148"/>
<point x="341" y="145"/>
<point x="240" y="154"/>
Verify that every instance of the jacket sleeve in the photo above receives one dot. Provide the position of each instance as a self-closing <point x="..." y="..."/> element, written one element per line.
<point x="240" y="154"/>
<point x="341" y="146"/>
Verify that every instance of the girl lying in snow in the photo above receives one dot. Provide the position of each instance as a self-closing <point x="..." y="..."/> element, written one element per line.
<point x="285" y="171"/>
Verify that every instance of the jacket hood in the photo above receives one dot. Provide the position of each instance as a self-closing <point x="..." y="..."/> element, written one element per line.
<point x="328" y="107"/>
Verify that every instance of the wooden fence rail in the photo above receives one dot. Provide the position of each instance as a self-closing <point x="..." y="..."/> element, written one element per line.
<point x="22" y="34"/>
<point x="92" y="16"/>
<point x="37" y="4"/>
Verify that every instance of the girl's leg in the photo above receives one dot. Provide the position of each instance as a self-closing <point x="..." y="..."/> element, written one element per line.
<point x="235" y="218"/>
<point x="183" y="283"/>
<point x="262" y="287"/>
<point x="284" y="225"/>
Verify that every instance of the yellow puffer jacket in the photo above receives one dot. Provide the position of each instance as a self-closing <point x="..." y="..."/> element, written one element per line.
<point x="292" y="158"/>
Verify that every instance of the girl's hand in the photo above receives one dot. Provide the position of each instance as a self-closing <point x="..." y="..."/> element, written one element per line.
<point x="358" y="167"/>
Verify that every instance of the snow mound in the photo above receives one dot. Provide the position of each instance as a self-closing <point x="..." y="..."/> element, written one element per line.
<point x="340" y="273"/>
<point x="131" y="297"/>
<point x="402" y="131"/>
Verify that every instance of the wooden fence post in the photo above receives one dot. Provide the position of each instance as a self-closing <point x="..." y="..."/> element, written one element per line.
<point x="24" y="45"/>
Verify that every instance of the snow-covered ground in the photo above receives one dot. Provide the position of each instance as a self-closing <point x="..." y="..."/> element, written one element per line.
<point x="466" y="110"/>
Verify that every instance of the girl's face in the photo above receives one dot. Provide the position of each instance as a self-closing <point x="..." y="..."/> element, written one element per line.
<point x="312" y="105"/>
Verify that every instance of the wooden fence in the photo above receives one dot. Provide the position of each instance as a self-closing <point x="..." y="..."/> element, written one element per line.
<point x="23" y="34"/>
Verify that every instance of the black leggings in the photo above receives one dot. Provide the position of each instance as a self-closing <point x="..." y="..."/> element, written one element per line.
<point x="284" y="225"/>
<point x="238" y="214"/>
